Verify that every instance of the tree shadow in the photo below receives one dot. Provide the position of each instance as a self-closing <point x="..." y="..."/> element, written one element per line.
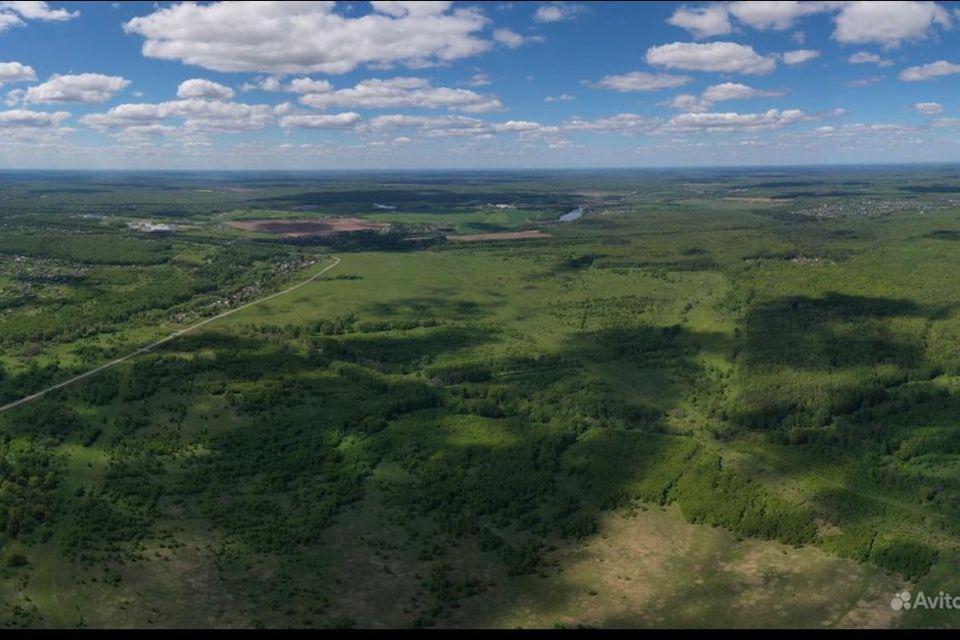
<point x="832" y="331"/>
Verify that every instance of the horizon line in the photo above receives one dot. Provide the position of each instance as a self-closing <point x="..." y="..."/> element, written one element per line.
<point x="487" y="169"/>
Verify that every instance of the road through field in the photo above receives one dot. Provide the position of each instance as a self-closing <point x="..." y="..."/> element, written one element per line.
<point x="175" y="334"/>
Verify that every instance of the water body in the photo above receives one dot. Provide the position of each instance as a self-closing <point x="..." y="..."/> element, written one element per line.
<point x="387" y="207"/>
<point x="570" y="216"/>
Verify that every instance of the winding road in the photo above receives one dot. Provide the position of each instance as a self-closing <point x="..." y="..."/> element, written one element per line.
<point x="175" y="334"/>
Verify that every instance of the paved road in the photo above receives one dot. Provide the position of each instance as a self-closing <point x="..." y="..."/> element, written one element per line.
<point x="175" y="334"/>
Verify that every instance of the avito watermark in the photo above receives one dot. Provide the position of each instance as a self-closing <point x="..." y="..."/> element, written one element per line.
<point x="906" y="601"/>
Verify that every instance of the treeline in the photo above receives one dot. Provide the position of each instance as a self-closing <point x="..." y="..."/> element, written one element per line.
<point x="88" y="248"/>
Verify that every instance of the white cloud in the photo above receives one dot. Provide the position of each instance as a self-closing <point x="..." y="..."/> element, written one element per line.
<point x="557" y="11"/>
<point x="27" y="131"/>
<point x="309" y="85"/>
<point x="36" y="11"/>
<point x="433" y="126"/>
<point x="517" y="126"/>
<point x="929" y="108"/>
<point x="265" y="84"/>
<point x="508" y="37"/>
<point x="889" y="23"/>
<point x="702" y="22"/>
<point x="16" y="72"/>
<point x="480" y="80"/>
<point x="24" y="118"/>
<point x="717" y="93"/>
<point x="735" y="91"/>
<point x="410" y="93"/>
<point x="8" y="20"/>
<point x="563" y="97"/>
<point x="865" y="82"/>
<point x="642" y="81"/>
<point x="799" y="56"/>
<point x="865" y="57"/>
<point x="297" y="85"/>
<point x="308" y="37"/>
<point x="138" y="133"/>
<point x="928" y="71"/>
<point x="776" y="14"/>
<point x="339" y="121"/>
<point x="200" y="88"/>
<point x="196" y="115"/>
<point x="15" y="14"/>
<point x="460" y="126"/>
<point x="686" y="102"/>
<point x="90" y="88"/>
<point x="725" y="57"/>
<point x="623" y="123"/>
<point x="731" y="121"/>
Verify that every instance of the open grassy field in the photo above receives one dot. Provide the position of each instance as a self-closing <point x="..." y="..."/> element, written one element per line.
<point x="718" y="399"/>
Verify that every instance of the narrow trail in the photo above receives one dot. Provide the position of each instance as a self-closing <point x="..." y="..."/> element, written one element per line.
<point x="175" y="334"/>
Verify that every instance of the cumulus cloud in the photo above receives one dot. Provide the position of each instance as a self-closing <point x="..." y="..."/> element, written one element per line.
<point x="13" y="14"/>
<point x="512" y="39"/>
<point x="16" y="72"/>
<point x="775" y="14"/>
<point x="886" y="22"/>
<point x="432" y="126"/>
<point x="563" y="97"/>
<point x="557" y="12"/>
<point x="309" y="85"/>
<point x="929" y="108"/>
<point x="200" y="88"/>
<point x="702" y="22"/>
<point x="717" y="93"/>
<point x="526" y="130"/>
<point x="195" y="114"/>
<point x="686" y="102"/>
<point x="724" y="57"/>
<point x="799" y="56"/>
<point x="735" y="91"/>
<point x="624" y="123"/>
<point x="26" y="130"/>
<point x="338" y="121"/>
<point x="731" y="121"/>
<point x="309" y="37"/>
<point x="480" y="80"/>
<point x="946" y="122"/>
<point x="410" y="93"/>
<point x="714" y="19"/>
<point x="865" y="82"/>
<point x="297" y="85"/>
<point x="642" y="81"/>
<point x="8" y="20"/>
<point x="865" y="57"/>
<point x="889" y="23"/>
<point x="90" y="88"/>
<point x="460" y="126"/>
<point x="928" y="71"/>
<point x="24" y="118"/>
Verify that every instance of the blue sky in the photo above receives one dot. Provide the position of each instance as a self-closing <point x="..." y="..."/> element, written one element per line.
<point x="354" y="85"/>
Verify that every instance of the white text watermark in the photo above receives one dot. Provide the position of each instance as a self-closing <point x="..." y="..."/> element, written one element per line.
<point x="904" y="601"/>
